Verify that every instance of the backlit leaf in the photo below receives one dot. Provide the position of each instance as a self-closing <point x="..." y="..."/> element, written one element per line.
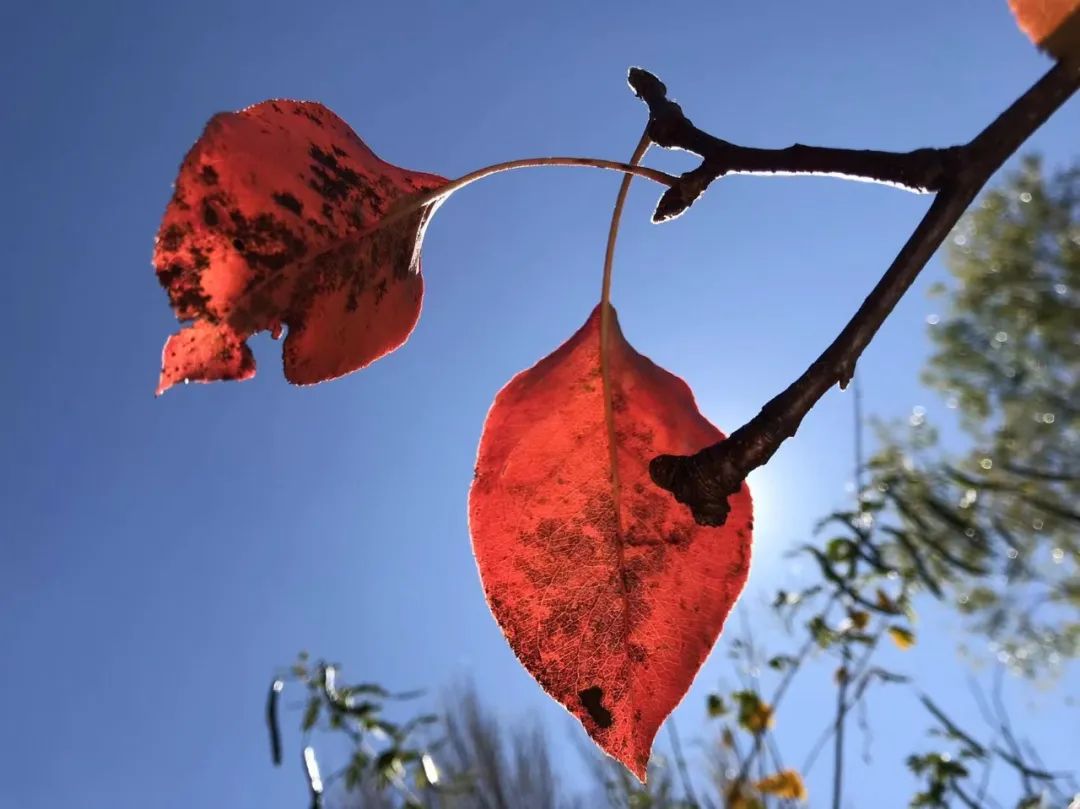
<point x="610" y="595"/>
<point x="786" y="784"/>
<point x="1053" y="25"/>
<point x="274" y="222"/>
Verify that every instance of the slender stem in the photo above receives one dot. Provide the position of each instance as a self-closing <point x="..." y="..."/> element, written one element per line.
<point x="781" y="689"/>
<point x="416" y="202"/>
<point x="704" y="481"/>
<point x="613" y="231"/>
<point x="841" y="717"/>
<point x="680" y="764"/>
<point x="605" y="332"/>
<point x="845" y="665"/>
<point x="858" y="427"/>
<point x="856" y="674"/>
<point x="273" y="697"/>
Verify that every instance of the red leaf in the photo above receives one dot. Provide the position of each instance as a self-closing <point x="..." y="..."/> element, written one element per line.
<point x="1053" y="25"/>
<point x="273" y="221"/>
<point x="611" y="599"/>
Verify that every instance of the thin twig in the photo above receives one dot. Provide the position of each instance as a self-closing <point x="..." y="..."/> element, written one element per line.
<point x="841" y="717"/>
<point x="921" y="170"/>
<point x="859" y="675"/>
<point x="705" y="481"/>
<point x="680" y="764"/>
<point x="272" y="724"/>
<point x="781" y="689"/>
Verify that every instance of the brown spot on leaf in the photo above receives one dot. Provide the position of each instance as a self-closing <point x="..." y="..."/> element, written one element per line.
<point x="289" y="202"/>
<point x="210" y="217"/>
<point x="592" y="700"/>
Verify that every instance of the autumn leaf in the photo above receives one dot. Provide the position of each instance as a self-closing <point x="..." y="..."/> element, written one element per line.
<point x="281" y="216"/>
<point x="1053" y="25"/>
<point x="755" y="715"/>
<point x="738" y="796"/>
<point x="903" y="638"/>
<point x="859" y="618"/>
<point x="885" y="602"/>
<point x="607" y="590"/>
<point x="786" y="784"/>
<point x="727" y="738"/>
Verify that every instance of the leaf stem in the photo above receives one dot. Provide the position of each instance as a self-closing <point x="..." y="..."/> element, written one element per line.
<point x="605" y="331"/>
<point x="435" y="197"/>
<point x="841" y="716"/>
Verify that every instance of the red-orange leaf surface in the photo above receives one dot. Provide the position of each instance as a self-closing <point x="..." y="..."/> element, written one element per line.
<point x="1053" y="25"/>
<point x="611" y="596"/>
<point x="273" y="221"/>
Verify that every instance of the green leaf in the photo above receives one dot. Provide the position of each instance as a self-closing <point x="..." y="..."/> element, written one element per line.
<point x="820" y="631"/>
<point x="839" y="549"/>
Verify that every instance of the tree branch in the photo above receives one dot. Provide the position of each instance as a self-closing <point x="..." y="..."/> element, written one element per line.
<point x="704" y="481"/>
<point x="920" y="171"/>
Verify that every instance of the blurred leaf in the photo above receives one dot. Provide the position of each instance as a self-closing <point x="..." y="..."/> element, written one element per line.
<point x="903" y="638"/>
<point x="885" y="602"/>
<point x="781" y="662"/>
<point x="737" y="796"/>
<point x="715" y="705"/>
<point x="859" y="618"/>
<point x="727" y="738"/>
<point x="754" y="715"/>
<point x="311" y="713"/>
<point x="820" y="631"/>
<point x="787" y="784"/>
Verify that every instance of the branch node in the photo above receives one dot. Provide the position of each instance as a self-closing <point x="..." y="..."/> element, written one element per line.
<point x="705" y="494"/>
<point x="684" y="193"/>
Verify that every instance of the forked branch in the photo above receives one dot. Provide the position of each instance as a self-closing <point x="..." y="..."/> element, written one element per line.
<point x="705" y="481"/>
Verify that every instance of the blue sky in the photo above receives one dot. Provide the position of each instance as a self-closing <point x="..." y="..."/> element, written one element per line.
<point x="161" y="556"/>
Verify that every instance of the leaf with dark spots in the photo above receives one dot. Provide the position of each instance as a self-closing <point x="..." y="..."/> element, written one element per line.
<point x="606" y="589"/>
<point x="237" y="255"/>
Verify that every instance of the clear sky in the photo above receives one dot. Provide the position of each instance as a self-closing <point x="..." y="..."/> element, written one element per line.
<point x="159" y="557"/>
